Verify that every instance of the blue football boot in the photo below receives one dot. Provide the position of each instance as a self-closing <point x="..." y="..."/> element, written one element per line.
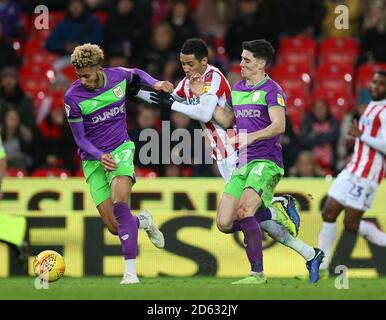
<point x="314" y="264"/>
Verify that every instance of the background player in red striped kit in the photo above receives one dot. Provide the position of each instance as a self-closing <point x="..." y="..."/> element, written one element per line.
<point x="355" y="187"/>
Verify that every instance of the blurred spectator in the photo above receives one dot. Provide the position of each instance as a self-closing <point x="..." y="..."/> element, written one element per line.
<point x="300" y="17"/>
<point x="116" y="58"/>
<point x="126" y="30"/>
<point x="10" y="17"/>
<point x="234" y="75"/>
<point x="184" y="27"/>
<point x="355" y="10"/>
<point x="213" y="16"/>
<point x="305" y="166"/>
<point x="98" y="5"/>
<point x="160" y="59"/>
<point x="55" y="144"/>
<point x="320" y="134"/>
<point x="172" y="170"/>
<point x="12" y="94"/>
<point x="290" y="145"/>
<point x="256" y="19"/>
<point x="374" y="31"/>
<point x="8" y="55"/>
<point x="17" y="140"/>
<point x="57" y="90"/>
<point x="78" y="27"/>
<point x="160" y="10"/>
<point x="147" y="118"/>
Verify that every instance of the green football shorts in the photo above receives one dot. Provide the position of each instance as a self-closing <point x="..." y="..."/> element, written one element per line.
<point x="260" y="175"/>
<point x="99" y="180"/>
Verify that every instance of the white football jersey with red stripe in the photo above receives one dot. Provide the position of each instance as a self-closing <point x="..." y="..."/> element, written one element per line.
<point x="367" y="162"/>
<point x="216" y="84"/>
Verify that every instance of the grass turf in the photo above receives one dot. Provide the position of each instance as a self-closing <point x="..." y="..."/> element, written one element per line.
<point x="202" y="288"/>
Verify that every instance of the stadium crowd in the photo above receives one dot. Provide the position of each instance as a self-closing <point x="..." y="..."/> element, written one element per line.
<point x="324" y="71"/>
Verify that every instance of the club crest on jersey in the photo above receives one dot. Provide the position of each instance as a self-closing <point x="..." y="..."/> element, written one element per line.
<point x="67" y="108"/>
<point x="118" y="92"/>
<point x="280" y="100"/>
<point x="256" y="96"/>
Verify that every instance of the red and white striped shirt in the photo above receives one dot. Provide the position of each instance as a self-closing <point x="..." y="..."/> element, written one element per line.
<point x="367" y="162"/>
<point x="216" y="84"/>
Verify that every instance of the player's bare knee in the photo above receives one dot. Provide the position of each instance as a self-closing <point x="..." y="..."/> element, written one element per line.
<point x="328" y="216"/>
<point x="351" y="225"/>
<point x="223" y="226"/>
<point x="242" y="211"/>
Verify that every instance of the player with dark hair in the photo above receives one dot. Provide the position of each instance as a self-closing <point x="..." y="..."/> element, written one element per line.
<point x="201" y="95"/>
<point x="354" y="188"/>
<point x="95" y="108"/>
<point x="258" y="105"/>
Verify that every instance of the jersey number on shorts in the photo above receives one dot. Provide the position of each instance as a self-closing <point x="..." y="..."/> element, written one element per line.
<point x="126" y="155"/>
<point x="259" y="169"/>
<point x="356" y="191"/>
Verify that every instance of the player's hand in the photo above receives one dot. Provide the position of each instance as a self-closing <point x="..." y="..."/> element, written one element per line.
<point x="354" y="131"/>
<point x="164" y="86"/>
<point x="348" y="142"/>
<point x="242" y="140"/>
<point x="196" y="85"/>
<point x="108" y="163"/>
<point x="161" y="99"/>
<point x="133" y="87"/>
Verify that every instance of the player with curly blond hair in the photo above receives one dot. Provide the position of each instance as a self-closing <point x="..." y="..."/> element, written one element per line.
<point x="96" y="112"/>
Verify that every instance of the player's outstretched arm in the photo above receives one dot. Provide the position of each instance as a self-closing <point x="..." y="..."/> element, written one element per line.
<point x="203" y="111"/>
<point x="224" y="116"/>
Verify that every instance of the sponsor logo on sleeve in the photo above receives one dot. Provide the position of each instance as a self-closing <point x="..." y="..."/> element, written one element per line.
<point x="280" y="100"/>
<point x="67" y="108"/>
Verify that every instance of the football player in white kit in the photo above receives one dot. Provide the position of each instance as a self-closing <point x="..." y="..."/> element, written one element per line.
<point x="354" y="188"/>
<point x="201" y="94"/>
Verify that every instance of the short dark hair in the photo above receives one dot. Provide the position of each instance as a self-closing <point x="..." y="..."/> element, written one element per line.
<point x="381" y="72"/>
<point x="261" y="49"/>
<point x="195" y="46"/>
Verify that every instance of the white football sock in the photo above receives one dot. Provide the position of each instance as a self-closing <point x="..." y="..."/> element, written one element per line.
<point x="326" y="241"/>
<point x="282" y="235"/>
<point x="371" y="233"/>
<point x="130" y="266"/>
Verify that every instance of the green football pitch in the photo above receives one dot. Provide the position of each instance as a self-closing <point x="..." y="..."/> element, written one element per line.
<point x="195" y="288"/>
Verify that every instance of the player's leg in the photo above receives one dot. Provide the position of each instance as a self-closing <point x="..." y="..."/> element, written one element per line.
<point x="335" y="203"/>
<point x="127" y="225"/>
<point x="227" y="214"/>
<point x="124" y="156"/>
<point x="253" y="239"/>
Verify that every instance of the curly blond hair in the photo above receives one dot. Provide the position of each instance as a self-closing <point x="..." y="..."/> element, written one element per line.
<point x="87" y="55"/>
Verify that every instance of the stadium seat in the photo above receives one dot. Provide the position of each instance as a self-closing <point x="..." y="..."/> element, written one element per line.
<point x="348" y="44"/>
<point x="292" y="76"/>
<point x="337" y="56"/>
<point x="51" y="172"/>
<point x="297" y="57"/>
<point x="335" y="77"/>
<point x="365" y="73"/>
<point x="297" y="107"/>
<point x="18" y="173"/>
<point x="298" y="43"/>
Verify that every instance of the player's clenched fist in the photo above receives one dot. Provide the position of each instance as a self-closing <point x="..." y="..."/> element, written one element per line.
<point x="108" y="163"/>
<point x="164" y="86"/>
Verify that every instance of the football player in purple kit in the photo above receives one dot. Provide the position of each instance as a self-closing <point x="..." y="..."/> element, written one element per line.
<point x="95" y="109"/>
<point x="258" y="105"/>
